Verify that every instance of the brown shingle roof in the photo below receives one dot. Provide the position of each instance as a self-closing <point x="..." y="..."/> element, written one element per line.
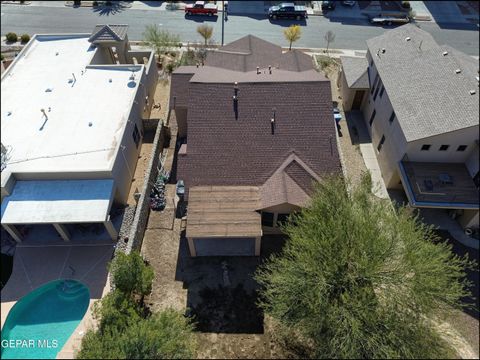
<point x="247" y="53"/>
<point x="225" y="150"/>
<point x="108" y="33"/>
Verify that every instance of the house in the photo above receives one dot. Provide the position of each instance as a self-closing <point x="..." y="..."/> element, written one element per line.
<point x="421" y="107"/>
<point x="259" y="132"/>
<point x="71" y="121"/>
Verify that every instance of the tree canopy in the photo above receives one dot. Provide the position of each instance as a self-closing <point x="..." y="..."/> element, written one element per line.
<point x="205" y="31"/>
<point x="126" y="328"/>
<point x="159" y="40"/>
<point x="359" y="278"/>
<point x="292" y="34"/>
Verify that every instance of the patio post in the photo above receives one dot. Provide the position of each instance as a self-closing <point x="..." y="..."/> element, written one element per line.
<point x="62" y="230"/>
<point x="12" y="230"/>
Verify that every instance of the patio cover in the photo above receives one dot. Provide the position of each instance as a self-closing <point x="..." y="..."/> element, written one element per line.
<point x="58" y="201"/>
<point x="223" y="211"/>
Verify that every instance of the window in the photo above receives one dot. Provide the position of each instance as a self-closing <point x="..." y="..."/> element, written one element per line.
<point x="426" y="147"/>
<point x="376" y="92"/>
<point x="444" y="147"/>
<point x="136" y="135"/>
<point x="282" y="218"/>
<point x="380" y="144"/>
<point x="462" y="148"/>
<point x="267" y="219"/>
<point x="391" y="117"/>
<point x="372" y="117"/>
<point x="382" y="91"/>
<point x="374" y="84"/>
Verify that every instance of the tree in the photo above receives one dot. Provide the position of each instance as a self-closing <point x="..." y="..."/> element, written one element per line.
<point x="329" y="38"/>
<point x="205" y="32"/>
<point x="159" y="40"/>
<point x="359" y="278"/>
<point x="292" y="34"/>
<point x="126" y="328"/>
<point x="130" y="274"/>
<point x="166" y="335"/>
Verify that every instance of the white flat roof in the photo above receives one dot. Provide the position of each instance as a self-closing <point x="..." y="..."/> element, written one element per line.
<point x="65" y="142"/>
<point x="58" y="201"/>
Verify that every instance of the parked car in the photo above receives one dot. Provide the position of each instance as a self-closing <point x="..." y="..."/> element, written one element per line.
<point x="328" y="5"/>
<point x="287" y="10"/>
<point x="200" y="8"/>
<point x="336" y="115"/>
<point x="180" y="188"/>
<point x="388" y="20"/>
<point x="349" y="3"/>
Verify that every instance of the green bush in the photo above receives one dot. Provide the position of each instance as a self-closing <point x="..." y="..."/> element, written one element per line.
<point x="170" y="67"/>
<point x="95" y="3"/>
<point x="130" y="274"/>
<point x="2" y="57"/>
<point x="360" y="279"/>
<point x="25" y="38"/>
<point x="406" y="4"/>
<point x="12" y="37"/>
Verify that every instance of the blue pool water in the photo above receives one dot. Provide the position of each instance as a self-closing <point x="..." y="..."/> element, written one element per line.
<point x="40" y="323"/>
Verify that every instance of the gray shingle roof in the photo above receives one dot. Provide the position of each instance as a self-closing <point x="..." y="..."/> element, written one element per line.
<point x="108" y="33"/>
<point x="428" y="96"/>
<point x="355" y="71"/>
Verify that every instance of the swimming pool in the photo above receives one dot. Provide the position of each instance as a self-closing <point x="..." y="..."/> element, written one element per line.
<point x="40" y="323"/>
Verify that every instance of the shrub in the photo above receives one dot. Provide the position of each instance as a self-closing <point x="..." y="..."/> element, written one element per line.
<point x="130" y="274"/>
<point x="12" y="37"/>
<point x="2" y="57"/>
<point x="406" y="4"/>
<point x="170" y="67"/>
<point x="25" y="38"/>
<point x="95" y="3"/>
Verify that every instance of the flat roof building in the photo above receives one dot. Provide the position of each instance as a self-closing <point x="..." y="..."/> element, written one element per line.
<point x="71" y="121"/>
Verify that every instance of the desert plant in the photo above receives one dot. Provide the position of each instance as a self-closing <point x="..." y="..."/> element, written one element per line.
<point x="359" y="278"/>
<point x="406" y="4"/>
<point x="206" y="32"/>
<point x="159" y="40"/>
<point x="11" y="37"/>
<point x="25" y="38"/>
<point x="130" y="274"/>
<point x="292" y="34"/>
<point x="329" y="38"/>
<point x="2" y="57"/>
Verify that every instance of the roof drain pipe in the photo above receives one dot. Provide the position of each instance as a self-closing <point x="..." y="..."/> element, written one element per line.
<point x="235" y="100"/>
<point x="272" y="122"/>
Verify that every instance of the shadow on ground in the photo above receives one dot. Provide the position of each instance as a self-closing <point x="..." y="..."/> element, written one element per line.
<point x="106" y="10"/>
<point x="224" y="301"/>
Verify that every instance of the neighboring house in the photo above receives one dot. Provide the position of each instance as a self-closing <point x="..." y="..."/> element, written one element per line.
<point x="260" y="132"/>
<point x="71" y="120"/>
<point x="421" y="107"/>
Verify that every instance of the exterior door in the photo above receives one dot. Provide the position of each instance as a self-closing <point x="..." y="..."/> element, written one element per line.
<point x="357" y="100"/>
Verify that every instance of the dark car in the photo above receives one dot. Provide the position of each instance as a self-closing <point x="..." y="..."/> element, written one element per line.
<point x="287" y="10"/>
<point x="328" y="5"/>
<point x="180" y="188"/>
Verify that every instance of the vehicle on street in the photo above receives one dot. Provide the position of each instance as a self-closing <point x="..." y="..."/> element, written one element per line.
<point x="328" y="5"/>
<point x="287" y="10"/>
<point x="388" y="20"/>
<point x="180" y="188"/>
<point x="349" y="3"/>
<point x="201" y="8"/>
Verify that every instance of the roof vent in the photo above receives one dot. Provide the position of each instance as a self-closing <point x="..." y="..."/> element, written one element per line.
<point x="445" y="53"/>
<point x="458" y="71"/>
<point x="90" y="124"/>
<point x="110" y="80"/>
<point x="270" y="69"/>
<point x="49" y="90"/>
<point x="472" y="92"/>
<point x="56" y="54"/>
<point x="258" y="70"/>
<point x="408" y="38"/>
<point x="9" y="113"/>
<point x="132" y="77"/>
<point x="383" y="51"/>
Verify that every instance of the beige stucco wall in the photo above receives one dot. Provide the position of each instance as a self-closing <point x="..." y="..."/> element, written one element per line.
<point x="347" y="94"/>
<point x="469" y="219"/>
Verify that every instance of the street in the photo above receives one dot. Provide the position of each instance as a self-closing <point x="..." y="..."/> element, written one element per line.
<point x="348" y="34"/>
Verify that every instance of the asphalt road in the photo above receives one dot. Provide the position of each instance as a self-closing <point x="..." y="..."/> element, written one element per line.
<point x="350" y="33"/>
